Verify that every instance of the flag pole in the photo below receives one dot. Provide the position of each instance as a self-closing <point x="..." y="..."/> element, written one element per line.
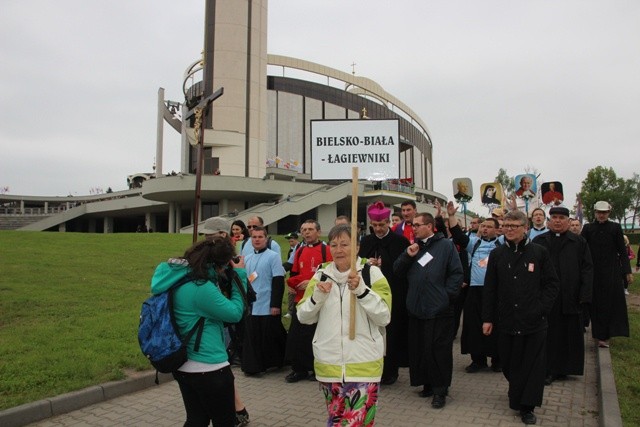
<point x="354" y="246"/>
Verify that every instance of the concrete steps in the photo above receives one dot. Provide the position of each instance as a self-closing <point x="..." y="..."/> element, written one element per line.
<point x="13" y="222"/>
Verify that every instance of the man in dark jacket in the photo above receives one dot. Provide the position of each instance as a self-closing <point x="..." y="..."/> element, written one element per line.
<point x="520" y="287"/>
<point x="451" y="229"/>
<point x="382" y="248"/>
<point x="433" y="270"/>
<point x="571" y="258"/>
<point x="611" y="268"/>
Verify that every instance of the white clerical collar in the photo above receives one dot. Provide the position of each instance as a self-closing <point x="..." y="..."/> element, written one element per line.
<point x="385" y="235"/>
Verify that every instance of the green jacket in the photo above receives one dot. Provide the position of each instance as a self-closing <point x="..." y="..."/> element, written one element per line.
<point x="192" y="301"/>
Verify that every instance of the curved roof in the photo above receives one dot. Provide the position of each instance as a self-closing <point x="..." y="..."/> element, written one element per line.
<point x="361" y="82"/>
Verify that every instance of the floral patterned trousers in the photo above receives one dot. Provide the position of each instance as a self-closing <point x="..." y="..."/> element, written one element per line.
<point x="350" y="404"/>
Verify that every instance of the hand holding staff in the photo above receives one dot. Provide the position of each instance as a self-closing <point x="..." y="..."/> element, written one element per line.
<point x="354" y="246"/>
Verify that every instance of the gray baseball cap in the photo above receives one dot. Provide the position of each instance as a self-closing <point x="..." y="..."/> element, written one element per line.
<point x="215" y="225"/>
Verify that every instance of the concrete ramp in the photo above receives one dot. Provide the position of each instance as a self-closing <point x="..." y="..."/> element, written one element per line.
<point x="100" y="209"/>
<point x="294" y="205"/>
<point x="55" y="220"/>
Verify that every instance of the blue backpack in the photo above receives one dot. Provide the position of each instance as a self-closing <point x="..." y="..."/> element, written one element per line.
<point x="158" y="334"/>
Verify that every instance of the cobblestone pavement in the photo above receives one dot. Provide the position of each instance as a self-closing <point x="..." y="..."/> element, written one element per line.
<point x="477" y="400"/>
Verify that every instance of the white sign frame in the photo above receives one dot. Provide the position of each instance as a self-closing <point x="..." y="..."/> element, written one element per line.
<point x="339" y="145"/>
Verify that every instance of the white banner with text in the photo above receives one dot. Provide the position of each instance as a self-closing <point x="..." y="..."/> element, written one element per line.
<point x="339" y="145"/>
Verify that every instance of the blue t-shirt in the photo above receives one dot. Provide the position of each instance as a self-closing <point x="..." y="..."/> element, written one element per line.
<point x="533" y="233"/>
<point x="478" y="262"/>
<point x="265" y="266"/>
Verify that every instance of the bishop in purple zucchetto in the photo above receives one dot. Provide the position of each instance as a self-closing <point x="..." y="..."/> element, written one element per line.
<point x="378" y="212"/>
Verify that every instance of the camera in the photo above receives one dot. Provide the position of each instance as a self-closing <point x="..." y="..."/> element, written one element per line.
<point x="236" y="259"/>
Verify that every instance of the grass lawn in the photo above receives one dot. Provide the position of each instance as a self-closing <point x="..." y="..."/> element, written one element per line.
<point x="625" y="356"/>
<point x="69" y="308"/>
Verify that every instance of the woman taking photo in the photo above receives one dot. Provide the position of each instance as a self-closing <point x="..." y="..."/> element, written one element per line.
<point x="349" y="371"/>
<point x="205" y="379"/>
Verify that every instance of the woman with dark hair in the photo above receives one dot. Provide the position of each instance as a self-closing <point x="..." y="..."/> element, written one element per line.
<point x="349" y="370"/>
<point x="489" y="195"/>
<point x="239" y="232"/>
<point x="205" y="379"/>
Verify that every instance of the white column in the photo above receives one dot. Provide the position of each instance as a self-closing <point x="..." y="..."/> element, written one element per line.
<point x="326" y="217"/>
<point x="178" y="217"/>
<point x="223" y="207"/>
<point x="172" y="217"/>
<point x="107" y="225"/>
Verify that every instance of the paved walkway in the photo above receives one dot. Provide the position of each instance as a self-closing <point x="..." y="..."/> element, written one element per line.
<point x="477" y="400"/>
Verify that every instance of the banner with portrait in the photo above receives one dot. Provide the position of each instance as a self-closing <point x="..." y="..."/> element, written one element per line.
<point x="552" y="193"/>
<point x="462" y="189"/>
<point x="492" y="194"/>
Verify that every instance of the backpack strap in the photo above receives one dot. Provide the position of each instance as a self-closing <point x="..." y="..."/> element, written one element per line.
<point x="296" y="257"/>
<point x="236" y="281"/>
<point x="323" y="250"/>
<point x="185" y="279"/>
<point x="199" y="326"/>
<point x="476" y="245"/>
<point x="366" y="274"/>
<point x="245" y="297"/>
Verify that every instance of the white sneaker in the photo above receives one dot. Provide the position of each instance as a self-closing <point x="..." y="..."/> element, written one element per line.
<point x="626" y="292"/>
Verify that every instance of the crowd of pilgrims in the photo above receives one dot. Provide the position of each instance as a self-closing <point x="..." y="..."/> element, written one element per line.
<point x="519" y="290"/>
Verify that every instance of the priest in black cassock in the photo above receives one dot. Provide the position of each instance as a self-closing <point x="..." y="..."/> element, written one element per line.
<point x="610" y="268"/>
<point x="382" y="247"/>
<point x="571" y="258"/>
<point x="520" y="288"/>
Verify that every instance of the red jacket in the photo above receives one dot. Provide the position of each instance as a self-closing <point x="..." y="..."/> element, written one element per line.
<point x="404" y="229"/>
<point x="305" y="263"/>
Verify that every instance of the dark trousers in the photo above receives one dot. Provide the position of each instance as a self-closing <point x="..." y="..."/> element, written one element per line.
<point x="524" y="366"/>
<point x="208" y="397"/>
<point x="299" y="351"/>
<point x="458" y="306"/>
<point x="236" y="333"/>
<point x="431" y="353"/>
<point x="472" y="340"/>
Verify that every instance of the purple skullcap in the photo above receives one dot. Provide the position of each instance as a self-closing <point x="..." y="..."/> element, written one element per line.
<point x="378" y="212"/>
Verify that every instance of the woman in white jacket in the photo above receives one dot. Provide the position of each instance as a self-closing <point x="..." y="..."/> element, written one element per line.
<point x="349" y="371"/>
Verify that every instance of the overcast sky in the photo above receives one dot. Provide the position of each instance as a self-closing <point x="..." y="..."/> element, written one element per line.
<point x="547" y="85"/>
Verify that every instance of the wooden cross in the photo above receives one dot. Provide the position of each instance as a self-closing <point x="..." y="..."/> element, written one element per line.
<point x="201" y="109"/>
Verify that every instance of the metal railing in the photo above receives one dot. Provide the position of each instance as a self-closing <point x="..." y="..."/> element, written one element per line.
<point x="17" y="211"/>
<point x="389" y="186"/>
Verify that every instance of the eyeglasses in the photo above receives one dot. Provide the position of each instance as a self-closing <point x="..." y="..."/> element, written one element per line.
<point x="414" y="225"/>
<point x="511" y="226"/>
